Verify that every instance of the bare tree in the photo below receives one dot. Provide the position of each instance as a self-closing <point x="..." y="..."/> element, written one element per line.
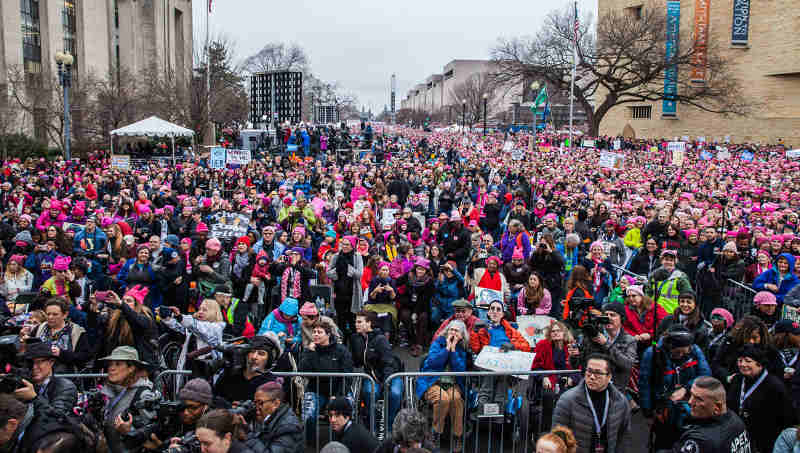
<point x="115" y="102"/>
<point x="278" y="56"/>
<point x="623" y="63"/>
<point x="472" y="91"/>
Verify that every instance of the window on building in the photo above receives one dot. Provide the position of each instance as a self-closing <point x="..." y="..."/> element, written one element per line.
<point x="70" y="29"/>
<point x="634" y="12"/>
<point x="640" y="112"/>
<point x="31" y="38"/>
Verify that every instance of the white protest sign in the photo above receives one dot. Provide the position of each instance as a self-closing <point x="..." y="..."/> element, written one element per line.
<point x="238" y="157"/>
<point x="723" y="153"/>
<point x="532" y="327"/>
<point x="216" y="159"/>
<point x="485" y="296"/>
<point x="588" y="144"/>
<point x="617" y="144"/>
<point x="121" y="162"/>
<point x="492" y="359"/>
<point x="611" y="160"/>
<point x="677" y="157"/>
<point x="790" y="313"/>
<point x="516" y="154"/>
<point x="676" y="146"/>
<point x="793" y="153"/>
<point x="387" y="218"/>
<point x="508" y="146"/>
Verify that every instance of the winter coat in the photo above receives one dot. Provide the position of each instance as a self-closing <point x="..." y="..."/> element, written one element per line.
<point x="477" y="340"/>
<point x="60" y="394"/>
<point x="768" y="409"/>
<point x="655" y="390"/>
<point x="449" y="289"/>
<point x="374" y="354"/>
<point x="787" y="442"/>
<point x="122" y="401"/>
<point x="771" y="276"/>
<point x="333" y="358"/>
<point x="479" y="273"/>
<point x="440" y="359"/>
<point x="509" y="242"/>
<point x="271" y="323"/>
<point x="636" y="324"/>
<point x="356" y="438"/>
<point x="282" y="433"/>
<point x="622" y="352"/>
<point x="544" y="359"/>
<point x="455" y="242"/>
<point x="549" y="266"/>
<point x="545" y="304"/>
<point x="353" y="271"/>
<point x="644" y="263"/>
<point x="573" y="411"/>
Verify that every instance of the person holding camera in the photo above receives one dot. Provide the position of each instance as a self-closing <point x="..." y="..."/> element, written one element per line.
<point x="90" y="243"/>
<point x="666" y="375"/>
<point x="67" y="340"/>
<point x="219" y="431"/>
<point x="609" y="339"/>
<point x="241" y="386"/>
<point x="130" y="397"/>
<point x="281" y="431"/>
<point x="44" y="390"/>
<point x="127" y="322"/>
<point x="196" y="399"/>
<point x="236" y="313"/>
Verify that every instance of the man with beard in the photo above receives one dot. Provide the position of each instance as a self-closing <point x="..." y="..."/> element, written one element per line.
<point x="242" y="385"/>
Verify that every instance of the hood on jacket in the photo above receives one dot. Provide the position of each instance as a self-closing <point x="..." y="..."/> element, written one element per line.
<point x="289" y="307"/>
<point x="790" y="258"/>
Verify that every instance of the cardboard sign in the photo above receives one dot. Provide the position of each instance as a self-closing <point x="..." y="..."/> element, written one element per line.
<point x="228" y="225"/>
<point x="238" y="157"/>
<point x="485" y="296"/>
<point x="492" y="359"/>
<point x="611" y="160"/>
<point x="216" y="159"/>
<point x="121" y="161"/>
<point x="588" y="144"/>
<point x="532" y="327"/>
<point x="387" y="218"/>
<point x="793" y="153"/>
<point x="617" y="144"/>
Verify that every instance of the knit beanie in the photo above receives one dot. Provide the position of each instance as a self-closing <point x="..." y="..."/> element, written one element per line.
<point x="725" y="315"/>
<point x="196" y="390"/>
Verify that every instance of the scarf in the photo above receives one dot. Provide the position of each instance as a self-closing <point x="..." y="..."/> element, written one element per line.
<point x="282" y="319"/>
<point x="391" y="252"/>
<point x="597" y="276"/>
<point x="539" y="212"/>
<point x="62" y="338"/>
<point x="294" y="275"/>
<point x="240" y="261"/>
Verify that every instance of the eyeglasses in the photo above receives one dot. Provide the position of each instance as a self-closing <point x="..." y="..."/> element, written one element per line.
<point x="496" y="309"/>
<point x="591" y="372"/>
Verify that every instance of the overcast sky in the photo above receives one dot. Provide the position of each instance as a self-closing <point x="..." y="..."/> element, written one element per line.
<point x="360" y="43"/>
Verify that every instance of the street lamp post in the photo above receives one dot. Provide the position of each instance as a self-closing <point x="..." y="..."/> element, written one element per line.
<point x="463" y="114"/>
<point x="485" y="98"/>
<point x="535" y="90"/>
<point x="64" y="61"/>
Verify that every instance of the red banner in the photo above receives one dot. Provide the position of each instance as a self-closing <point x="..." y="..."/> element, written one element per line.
<point x="701" y="14"/>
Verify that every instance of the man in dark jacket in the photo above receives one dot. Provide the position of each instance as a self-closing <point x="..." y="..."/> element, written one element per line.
<point x="455" y="240"/>
<point x="281" y="431"/>
<point x="372" y="350"/>
<point x="243" y="385"/>
<point x="347" y="431"/>
<point x="46" y="391"/>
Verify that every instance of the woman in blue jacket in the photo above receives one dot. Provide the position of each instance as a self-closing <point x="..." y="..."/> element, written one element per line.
<point x="449" y="288"/>
<point x="448" y="352"/>
<point x="779" y="279"/>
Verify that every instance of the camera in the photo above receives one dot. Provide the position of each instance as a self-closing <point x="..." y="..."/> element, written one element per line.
<point x="165" y="425"/>
<point x="581" y="317"/>
<point x="164" y="312"/>
<point x="188" y="444"/>
<point x="12" y="378"/>
<point x="246" y="409"/>
<point x="233" y="360"/>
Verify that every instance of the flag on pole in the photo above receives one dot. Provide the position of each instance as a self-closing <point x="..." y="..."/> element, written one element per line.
<point x="577" y="22"/>
<point x="541" y="98"/>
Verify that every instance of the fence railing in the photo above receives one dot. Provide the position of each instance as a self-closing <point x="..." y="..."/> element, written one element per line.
<point x="510" y="406"/>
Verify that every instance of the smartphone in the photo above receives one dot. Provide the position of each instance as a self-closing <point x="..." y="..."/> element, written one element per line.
<point x="164" y="312"/>
<point x="101" y="296"/>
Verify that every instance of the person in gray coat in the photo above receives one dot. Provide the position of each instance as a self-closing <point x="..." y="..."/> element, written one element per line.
<point x="281" y="431"/>
<point x="583" y="410"/>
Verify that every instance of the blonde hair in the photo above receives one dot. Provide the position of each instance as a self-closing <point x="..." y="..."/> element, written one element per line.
<point x="562" y="438"/>
<point x="214" y="308"/>
<point x="568" y="338"/>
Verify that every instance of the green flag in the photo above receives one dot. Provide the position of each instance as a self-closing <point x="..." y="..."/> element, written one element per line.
<point x="541" y="98"/>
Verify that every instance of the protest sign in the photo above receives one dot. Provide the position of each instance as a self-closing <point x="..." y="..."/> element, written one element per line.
<point x="508" y="146"/>
<point x="544" y="149"/>
<point x="654" y="149"/>
<point x="485" y="296"/>
<point x="387" y="218"/>
<point x="516" y="154"/>
<point x="747" y="155"/>
<point x="228" y="225"/>
<point x="588" y="144"/>
<point x="676" y="146"/>
<point x="793" y="153"/>
<point x="291" y="148"/>
<point x="611" y="160"/>
<point x="617" y="144"/>
<point x="790" y="313"/>
<point x="532" y="327"/>
<point x="121" y="162"/>
<point x="723" y="153"/>
<point x="677" y="157"/>
<point x="216" y="159"/>
<point x="492" y="359"/>
<point x="238" y="157"/>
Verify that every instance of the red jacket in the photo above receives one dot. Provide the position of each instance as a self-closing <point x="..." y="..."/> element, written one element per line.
<point x="634" y="326"/>
<point x="544" y="358"/>
<point x="478" y="340"/>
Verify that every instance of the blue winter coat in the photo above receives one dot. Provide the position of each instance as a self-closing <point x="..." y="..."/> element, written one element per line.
<point x="771" y="276"/>
<point x="449" y="289"/>
<point x="694" y="366"/>
<point x="438" y="360"/>
<point x="154" y="293"/>
<point x="289" y="307"/>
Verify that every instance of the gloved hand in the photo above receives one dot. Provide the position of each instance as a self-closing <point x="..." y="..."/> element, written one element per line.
<point x="506" y="347"/>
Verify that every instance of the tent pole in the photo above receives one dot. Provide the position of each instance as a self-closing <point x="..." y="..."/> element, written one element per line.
<point x="173" y="151"/>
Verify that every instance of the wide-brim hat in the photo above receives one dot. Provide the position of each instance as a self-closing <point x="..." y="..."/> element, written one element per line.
<point x="38" y="350"/>
<point x="125" y="354"/>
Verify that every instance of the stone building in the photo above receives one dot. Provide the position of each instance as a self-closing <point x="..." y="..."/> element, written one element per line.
<point x="766" y="54"/>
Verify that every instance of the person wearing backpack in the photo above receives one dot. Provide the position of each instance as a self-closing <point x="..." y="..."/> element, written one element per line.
<point x="666" y="374"/>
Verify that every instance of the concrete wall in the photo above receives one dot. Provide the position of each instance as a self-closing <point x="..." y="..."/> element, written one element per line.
<point x="769" y="70"/>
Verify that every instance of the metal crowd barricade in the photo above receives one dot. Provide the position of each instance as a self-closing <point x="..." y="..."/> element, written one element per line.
<point x="87" y="381"/>
<point x="737" y="298"/>
<point x="84" y="381"/>
<point x="169" y="388"/>
<point x="521" y="407"/>
<point x="303" y="384"/>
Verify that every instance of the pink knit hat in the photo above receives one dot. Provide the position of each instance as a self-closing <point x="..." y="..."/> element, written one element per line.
<point x="61" y="263"/>
<point x="764" y="298"/>
<point x="517" y="255"/>
<point x="138" y="292"/>
<point x="308" y="309"/>
<point x="725" y="314"/>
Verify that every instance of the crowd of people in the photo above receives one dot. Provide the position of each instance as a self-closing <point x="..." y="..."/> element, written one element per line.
<point x="668" y="289"/>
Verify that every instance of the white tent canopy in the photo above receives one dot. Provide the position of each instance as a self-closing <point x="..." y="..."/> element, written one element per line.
<point x="153" y="127"/>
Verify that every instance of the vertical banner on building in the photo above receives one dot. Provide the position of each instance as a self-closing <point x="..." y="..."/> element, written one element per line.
<point x="669" y="106"/>
<point x="701" y="15"/>
<point x="740" y="30"/>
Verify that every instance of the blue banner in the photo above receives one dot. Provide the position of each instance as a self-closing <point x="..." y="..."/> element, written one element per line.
<point x="747" y="156"/>
<point x="669" y="106"/>
<point x="217" y="158"/>
<point x="740" y="29"/>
